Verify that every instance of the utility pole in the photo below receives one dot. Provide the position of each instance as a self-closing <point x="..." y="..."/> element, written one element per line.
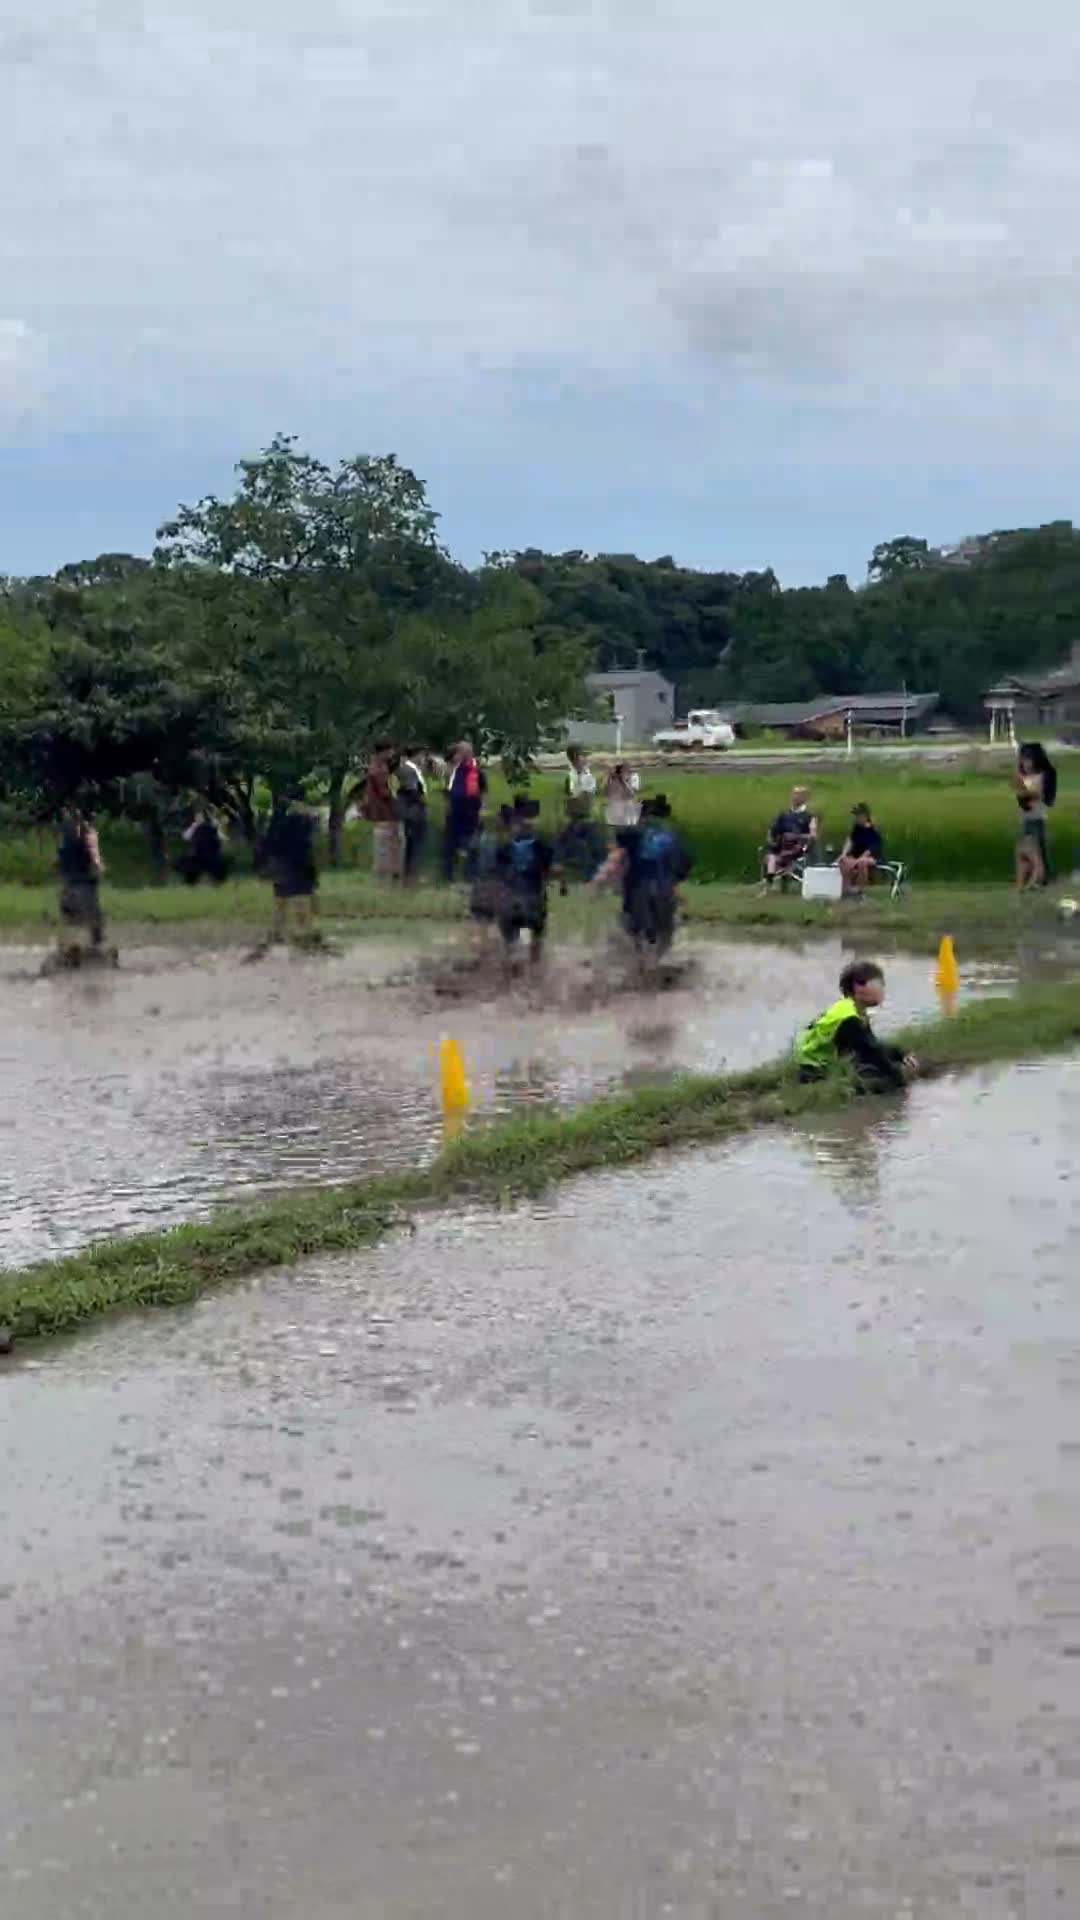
<point x="903" y="715"/>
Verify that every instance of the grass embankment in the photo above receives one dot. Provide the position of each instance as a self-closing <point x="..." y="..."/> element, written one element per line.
<point x="499" y="1166"/>
<point x="953" y="823"/>
<point x="989" y="918"/>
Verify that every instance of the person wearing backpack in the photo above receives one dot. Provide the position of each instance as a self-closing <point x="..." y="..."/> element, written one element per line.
<point x="524" y="863"/>
<point x="652" y="860"/>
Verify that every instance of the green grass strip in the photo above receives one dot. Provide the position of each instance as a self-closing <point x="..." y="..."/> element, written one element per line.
<point x="498" y="1166"/>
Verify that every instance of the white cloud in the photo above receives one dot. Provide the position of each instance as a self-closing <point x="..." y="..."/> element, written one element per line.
<point x="227" y="204"/>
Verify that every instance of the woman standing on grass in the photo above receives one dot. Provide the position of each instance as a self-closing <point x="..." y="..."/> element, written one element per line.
<point x="622" y="805"/>
<point x="1035" y="785"/>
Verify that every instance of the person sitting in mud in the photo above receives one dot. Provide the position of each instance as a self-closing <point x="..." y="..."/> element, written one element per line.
<point x="287" y="859"/>
<point x="204" y="855"/>
<point x="843" y="1032"/>
<point x="863" y="849"/>
<point x="80" y="868"/>
<point x="524" y="863"/>
<point x="651" y="860"/>
<point x="792" y="836"/>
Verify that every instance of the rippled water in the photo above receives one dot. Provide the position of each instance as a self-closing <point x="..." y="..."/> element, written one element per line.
<point x="700" y="1541"/>
<point x="148" y="1095"/>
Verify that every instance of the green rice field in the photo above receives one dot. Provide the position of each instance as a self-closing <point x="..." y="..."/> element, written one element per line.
<point x="948" y="824"/>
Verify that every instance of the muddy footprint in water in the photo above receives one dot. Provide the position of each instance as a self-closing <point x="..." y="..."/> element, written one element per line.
<point x="79" y="960"/>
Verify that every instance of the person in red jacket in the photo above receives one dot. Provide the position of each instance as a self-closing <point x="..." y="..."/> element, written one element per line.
<point x="465" y="790"/>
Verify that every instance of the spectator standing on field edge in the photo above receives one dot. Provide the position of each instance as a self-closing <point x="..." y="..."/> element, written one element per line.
<point x="412" y="810"/>
<point x="580" y="786"/>
<point x="465" y="790"/>
<point x="622" y="804"/>
<point x="203" y="856"/>
<point x="379" y="806"/>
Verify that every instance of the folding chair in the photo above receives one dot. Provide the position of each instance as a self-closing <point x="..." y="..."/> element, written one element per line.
<point x="893" y="872"/>
<point x="790" y="874"/>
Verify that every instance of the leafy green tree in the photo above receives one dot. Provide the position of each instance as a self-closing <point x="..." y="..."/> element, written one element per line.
<point x="627" y="610"/>
<point x="334" y="616"/>
<point x="893" y="558"/>
<point x="499" y="675"/>
<point x="313" y="567"/>
<point x="102" y="695"/>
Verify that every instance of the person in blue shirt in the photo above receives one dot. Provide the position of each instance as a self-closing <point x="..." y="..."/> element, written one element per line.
<point x="792" y="835"/>
<point x="651" y="860"/>
<point x="524" y="862"/>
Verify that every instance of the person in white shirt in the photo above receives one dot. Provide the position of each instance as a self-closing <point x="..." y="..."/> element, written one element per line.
<point x="412" y="810"/>
<point x="580" y="785"/>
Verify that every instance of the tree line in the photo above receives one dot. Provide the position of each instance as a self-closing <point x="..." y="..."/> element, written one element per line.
<point x="1010" y="601"/>
<point x="273" y="635"/>
<point x="270" y="639"/>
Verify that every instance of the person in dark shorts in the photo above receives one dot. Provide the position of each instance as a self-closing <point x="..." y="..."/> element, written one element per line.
<point x="651" y="860"/>
<point x="524" y="863"/>
<point x="465" y="790"/>
<point x="204" y="855"/>
<point x="863" y="848"/>
<point x="287" y="858"/>
<point x="843" y="1032"/>
<point x="80" y="869"/>
<point x="411" y="798"/>
<point x="792" y="836"/>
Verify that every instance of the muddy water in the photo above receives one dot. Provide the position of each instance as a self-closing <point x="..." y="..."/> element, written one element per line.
<point x="702" y="1542"/>
<point x="146" y="1096"/>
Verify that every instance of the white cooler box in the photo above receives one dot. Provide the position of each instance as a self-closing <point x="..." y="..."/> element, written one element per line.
<point x="822" y="883"/>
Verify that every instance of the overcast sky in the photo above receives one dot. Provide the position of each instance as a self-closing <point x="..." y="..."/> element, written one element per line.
<point x="609" y="274"/>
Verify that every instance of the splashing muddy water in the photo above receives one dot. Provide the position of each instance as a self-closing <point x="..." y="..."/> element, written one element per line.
<point x="147" y="1096"/>
<point x="700" y="1541"/>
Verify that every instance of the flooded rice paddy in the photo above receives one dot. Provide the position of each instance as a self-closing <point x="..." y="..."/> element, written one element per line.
<point x="700" y="1542"/>
<point x="147" y="1096"/>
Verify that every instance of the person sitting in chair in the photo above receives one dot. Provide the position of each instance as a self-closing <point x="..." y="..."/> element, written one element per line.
<point x="792" y="836"/>
<point x="862" y="850"/>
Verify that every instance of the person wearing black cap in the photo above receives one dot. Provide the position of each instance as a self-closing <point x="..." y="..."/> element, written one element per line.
<point x="651" y="860"/>
<point x="524" y="863"/>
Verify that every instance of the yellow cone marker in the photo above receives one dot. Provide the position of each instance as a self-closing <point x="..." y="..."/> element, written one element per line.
<point x="453" y="1085"/>
<point x="947" y="973"/>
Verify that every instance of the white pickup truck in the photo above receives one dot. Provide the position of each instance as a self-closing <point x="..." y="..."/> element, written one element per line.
<point x="703" y="728"/>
